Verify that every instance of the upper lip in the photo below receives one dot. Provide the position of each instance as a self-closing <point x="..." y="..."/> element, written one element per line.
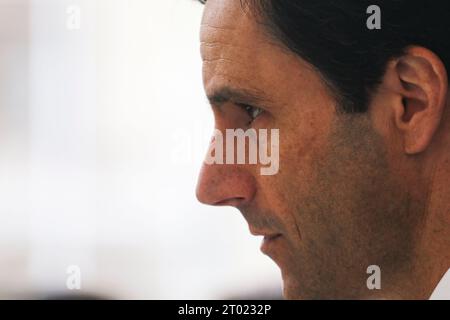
<point x="266" y="234"/>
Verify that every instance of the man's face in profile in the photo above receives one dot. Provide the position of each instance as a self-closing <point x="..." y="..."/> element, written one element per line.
<point x="339" y="202"/>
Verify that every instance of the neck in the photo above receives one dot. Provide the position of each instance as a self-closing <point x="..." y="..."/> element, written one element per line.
<point x="433" y="246"/>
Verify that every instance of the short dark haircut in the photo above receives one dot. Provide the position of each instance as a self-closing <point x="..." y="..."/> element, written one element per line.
<point x="332" y="36"/>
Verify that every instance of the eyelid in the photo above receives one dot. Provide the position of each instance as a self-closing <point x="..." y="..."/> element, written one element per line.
<point x="249" y="108"/>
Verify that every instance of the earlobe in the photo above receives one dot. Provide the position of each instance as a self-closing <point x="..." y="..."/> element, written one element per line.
<point x="423" y="86"/>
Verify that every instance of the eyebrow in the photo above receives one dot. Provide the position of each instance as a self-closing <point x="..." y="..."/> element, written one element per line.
<point x="228" y="94"/>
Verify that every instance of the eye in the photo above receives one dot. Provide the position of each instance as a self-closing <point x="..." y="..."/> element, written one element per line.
<point x="253" y="112"/>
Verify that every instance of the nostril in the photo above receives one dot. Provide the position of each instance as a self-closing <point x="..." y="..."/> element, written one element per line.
<point x="234" y="202"/>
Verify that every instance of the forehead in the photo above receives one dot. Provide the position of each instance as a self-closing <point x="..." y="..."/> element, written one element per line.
<point x="234" y="46"/>
<point x="225" y="21"/>
<point x="237" y="52"/>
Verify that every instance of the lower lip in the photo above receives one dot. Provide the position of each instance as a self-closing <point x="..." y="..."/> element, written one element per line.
<point x="269" y="242"/>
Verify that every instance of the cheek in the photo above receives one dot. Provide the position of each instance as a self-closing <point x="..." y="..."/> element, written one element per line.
<point x="301" y="148"/>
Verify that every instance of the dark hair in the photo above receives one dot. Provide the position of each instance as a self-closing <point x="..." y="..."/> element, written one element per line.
<point x="332" y="36"/>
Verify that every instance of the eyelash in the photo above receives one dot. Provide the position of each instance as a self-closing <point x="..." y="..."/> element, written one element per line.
<point x="253" y="112"/>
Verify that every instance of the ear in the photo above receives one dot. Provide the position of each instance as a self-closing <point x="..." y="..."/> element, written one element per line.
<point x="420" y="80"/>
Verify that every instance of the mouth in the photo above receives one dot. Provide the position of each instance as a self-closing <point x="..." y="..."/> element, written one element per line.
<point x="269" y="243"/>
<point x="269" y="239"/>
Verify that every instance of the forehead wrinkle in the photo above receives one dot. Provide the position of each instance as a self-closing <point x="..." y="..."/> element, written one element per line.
<point x="224" y="28"/>
<point x="230" y="62"/>
<point x="228" y="47"/>
<point x="220" y="47"/>
<point x="217" y="64"/>
<point x="218" y="44"/>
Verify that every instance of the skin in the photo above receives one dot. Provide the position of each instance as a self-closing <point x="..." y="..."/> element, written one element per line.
<point x="353" y="190"/>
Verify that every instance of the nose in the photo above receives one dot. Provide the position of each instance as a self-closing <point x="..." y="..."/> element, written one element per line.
<point x="225" y="185"/>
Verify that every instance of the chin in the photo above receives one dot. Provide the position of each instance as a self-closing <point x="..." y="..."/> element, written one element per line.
<point x="301" y="289"/>
<point x="291" y="288"/>
<point x="290" y="293"/>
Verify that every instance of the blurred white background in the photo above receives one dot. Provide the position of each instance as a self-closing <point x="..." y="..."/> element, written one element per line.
<point x="103" y="127"/>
